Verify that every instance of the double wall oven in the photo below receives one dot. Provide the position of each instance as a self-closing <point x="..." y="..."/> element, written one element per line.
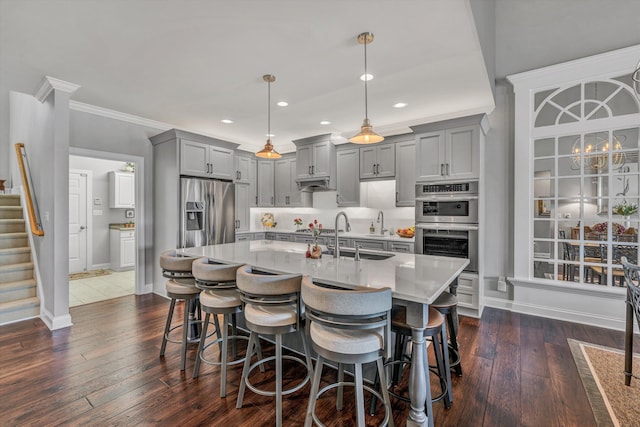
<point x="447" y="220"/>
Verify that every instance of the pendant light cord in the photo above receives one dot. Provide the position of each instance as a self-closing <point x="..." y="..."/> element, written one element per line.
<point x="269" y="109"/>
<point x="366" y="77"/>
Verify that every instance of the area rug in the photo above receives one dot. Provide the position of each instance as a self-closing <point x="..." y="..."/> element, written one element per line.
<point x="88" y="274"/>
<point x="602" y="372"/>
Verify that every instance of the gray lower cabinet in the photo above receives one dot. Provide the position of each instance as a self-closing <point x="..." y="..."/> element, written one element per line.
<point x="284" y="237"/>
<point x="244" y="237"/>
<point x="348" y="179"/>
<point x="259" y="235"/>
<point x="405" y="173"/>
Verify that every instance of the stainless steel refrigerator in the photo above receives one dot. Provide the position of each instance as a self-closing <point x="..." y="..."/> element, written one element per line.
<point x="207" y="212"/>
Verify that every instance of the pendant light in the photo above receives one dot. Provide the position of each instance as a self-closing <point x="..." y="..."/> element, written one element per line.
<point x="366" y="134"/>
<point x="268" y="152"/>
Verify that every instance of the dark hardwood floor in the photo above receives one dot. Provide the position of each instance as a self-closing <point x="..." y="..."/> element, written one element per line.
<point x="105" y="370"/>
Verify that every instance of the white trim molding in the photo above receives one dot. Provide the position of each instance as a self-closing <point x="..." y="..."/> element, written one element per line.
<point x="48" y="84"/>
<point x="571" y="303"/>
<point x="117" y="115"/>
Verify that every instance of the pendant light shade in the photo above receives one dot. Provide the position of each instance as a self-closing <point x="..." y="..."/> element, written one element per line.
<point x="366" y="134"/>
<point x="268" y="152"/>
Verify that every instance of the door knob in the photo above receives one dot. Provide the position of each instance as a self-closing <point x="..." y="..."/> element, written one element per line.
<point x="82" y="227"/>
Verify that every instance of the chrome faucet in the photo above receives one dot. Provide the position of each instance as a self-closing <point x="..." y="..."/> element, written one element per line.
<point x="381" y="216"/>
<point x="336" y="251"/>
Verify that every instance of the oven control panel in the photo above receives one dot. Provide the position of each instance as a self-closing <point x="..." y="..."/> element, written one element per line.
<point x="450" y="188"/>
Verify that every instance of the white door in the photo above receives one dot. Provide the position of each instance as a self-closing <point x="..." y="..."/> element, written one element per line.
<point x="77" y="222"/>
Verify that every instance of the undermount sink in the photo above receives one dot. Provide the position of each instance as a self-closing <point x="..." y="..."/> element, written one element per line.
<point x="364" y="254"/>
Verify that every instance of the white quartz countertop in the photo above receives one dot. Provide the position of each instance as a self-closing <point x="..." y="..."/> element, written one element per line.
<point x="411" y="277"/>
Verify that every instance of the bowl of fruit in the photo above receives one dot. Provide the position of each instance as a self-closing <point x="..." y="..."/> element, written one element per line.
<point x="406" y="232"/>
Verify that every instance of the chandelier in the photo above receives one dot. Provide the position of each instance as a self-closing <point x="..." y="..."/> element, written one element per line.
<point x="597" y="151"/>
<point x="636" y="80"/>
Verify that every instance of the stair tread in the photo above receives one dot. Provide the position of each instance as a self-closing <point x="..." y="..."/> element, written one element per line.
<point x="16" y="266"/>
<point x="12" y="220"/>
<point x="11" y="251"/>
<point x="25" y="283"/>
<point x="12" y="235"/>
<point x="17" y="304"/>
<point x="11" y="207"/>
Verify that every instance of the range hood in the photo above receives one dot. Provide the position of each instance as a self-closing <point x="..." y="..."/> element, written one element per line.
<point x="315" y="184"/>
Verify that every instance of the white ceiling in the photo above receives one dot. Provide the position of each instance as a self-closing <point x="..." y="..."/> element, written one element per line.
<point x="191" y="63"/>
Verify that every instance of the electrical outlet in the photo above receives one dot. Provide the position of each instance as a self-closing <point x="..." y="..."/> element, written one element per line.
<point x="502" y="284"/>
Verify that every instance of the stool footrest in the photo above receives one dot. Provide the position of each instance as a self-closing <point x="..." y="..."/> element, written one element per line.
<point x="219" y="340"/>
<point x="284" y="391"/>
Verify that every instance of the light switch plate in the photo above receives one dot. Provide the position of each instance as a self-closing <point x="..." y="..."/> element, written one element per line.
<point x="97" y="212"/>
<point x="97" y="201"/>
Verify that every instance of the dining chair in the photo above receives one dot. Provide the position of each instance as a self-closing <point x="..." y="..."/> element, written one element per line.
<point x="632" y="279"/>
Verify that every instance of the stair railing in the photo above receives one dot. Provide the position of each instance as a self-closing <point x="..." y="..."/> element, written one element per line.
<point x="32" y="203"/>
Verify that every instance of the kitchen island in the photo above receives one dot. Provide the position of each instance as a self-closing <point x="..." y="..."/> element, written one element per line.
<point x="415" y="280"/>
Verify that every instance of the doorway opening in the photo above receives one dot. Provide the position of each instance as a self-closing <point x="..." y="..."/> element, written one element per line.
<point x="105" y="217"/>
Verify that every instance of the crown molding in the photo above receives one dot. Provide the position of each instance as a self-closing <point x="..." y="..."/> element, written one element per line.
<point x="48" y="84"/>
<point x="117" y="115"/>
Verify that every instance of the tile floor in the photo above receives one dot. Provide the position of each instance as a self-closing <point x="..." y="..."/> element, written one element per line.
<point x="100" y="288"/>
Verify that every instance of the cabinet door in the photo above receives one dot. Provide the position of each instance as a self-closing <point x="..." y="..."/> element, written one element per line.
<point x="127" y="250"/>
<point x="368" y="162"/>
<point x="430" y="156"/>
<point x="282" y="182"/>
<point x="295" y="195"/>
<point x="304" y="159"/>
<point x="385" y="161"/>
<point x="221" y="162"/>
<point x="405" y="173"/>
<point x="348" y="179"/>
<point x="253" y="183"/>
<point x="265" y="183"/>
<point x="194" y="158"/>
<point x="379" y="245"/>
<point x="243" y="167"/>
<point x="122" y="190"/>
<point x="462" y="147"/>
<point x="242" y="207"/>
<point x="321" y="165"/>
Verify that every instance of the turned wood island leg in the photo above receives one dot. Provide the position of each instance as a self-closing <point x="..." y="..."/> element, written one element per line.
<point x="419" y="387"/>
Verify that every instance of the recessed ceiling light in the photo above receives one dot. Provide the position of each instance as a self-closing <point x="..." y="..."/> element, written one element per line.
<point x="270" y="135"/>
<point x="226" y="121"/>
<point x="400" y="105"/>
<point x="325" y="122"/>
<point x="366" y="77"/>
<point x="282" y="104"/>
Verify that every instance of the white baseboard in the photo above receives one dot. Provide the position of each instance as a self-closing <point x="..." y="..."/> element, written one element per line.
<point x="103" y="266"/>
<point x="54" y="323"/>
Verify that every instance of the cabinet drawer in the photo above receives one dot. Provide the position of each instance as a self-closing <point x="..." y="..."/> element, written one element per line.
<point x="284" y="237"/>
<point x="243" y="237"/>
<point x="401" y="247"/>
<point x="467" y="299"/>
<point x="371" y="244"/>
<point x="127" y="234"/>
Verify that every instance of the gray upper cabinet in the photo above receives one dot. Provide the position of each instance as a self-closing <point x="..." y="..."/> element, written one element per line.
<point x="377" y="161"/>
<point x="348" y="179"/>
<point x="206" y="160"/>
<point x="286" y="189"/>
<point x="316" y="160"/>
<point x="266" y="174"/>
<point x="449" y="150"/>
<point x="243" y="167"/>
<point x="253" y="182"/>
<point x="405" y="173"/>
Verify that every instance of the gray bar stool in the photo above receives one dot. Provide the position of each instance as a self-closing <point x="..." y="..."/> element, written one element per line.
<point x="447" y="304"/>
<point x="180" y="286"/>
<point x="271" y="306"/>
<point x="219" y="296"/>
<point x="347" y="327"/>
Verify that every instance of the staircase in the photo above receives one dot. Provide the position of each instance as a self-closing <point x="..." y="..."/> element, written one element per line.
<point x="18" y="296"/>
